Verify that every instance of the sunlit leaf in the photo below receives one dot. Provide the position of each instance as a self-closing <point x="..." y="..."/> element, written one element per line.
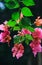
<point x="29" y="37"/>
<point x="31" y="28"/>
<point x="18" y="39"/>
<point x="11" y="23"/>
<point x="15" y="16"/>
<point x="16" y="28"/>
<point x="26" y="11"/>
<point x="28" y="2"/>
<point x="12" y="4"/>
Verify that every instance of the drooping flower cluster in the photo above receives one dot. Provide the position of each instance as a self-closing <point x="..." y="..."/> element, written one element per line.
<point x="18" y="50"/>
<point x="36" y="43"/>
<point x="36" y="46"/>
<point x="5" y="34"/>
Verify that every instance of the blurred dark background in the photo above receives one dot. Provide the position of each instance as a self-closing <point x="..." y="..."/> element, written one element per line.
<point x="5" y="52"/>
<point x="37" y="11"/>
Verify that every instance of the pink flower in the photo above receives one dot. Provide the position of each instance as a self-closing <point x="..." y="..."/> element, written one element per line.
<point x="37" y="33"/>
<point x="18" y="50"/>
<point x="36" y="47"/>
<point x="3" y="27"/>
<point x="41" y="48"/>
<point x="25" y="31"/>
<point x="5" y="22"/>
<point x="21" y="15"/>
<point x="5" y="37"/>
<point x="19" y="54"/>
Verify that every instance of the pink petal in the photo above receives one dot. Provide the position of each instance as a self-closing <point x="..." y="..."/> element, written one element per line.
<point x="18" y="55"/>
<point x="25" y="31"/>
<point x="14" y="54"/>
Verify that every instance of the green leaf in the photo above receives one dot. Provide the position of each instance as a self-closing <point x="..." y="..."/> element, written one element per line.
<point x="12" y="4"/>
<point x="28" y="2"/>
<point x="17" y="5"/>
<point x="27" y="26"/>
<point x="27" y="41"/>
<point x="15" y="16"/>
<point x="6" y="1"/>
<point x="30" y="28"/>
<point x="21" y="39"/>
<point x="26" y="21"/>
<point x="16" y="28"/>
<point x="26" y="11"/>
<point x="18" y="39"/>
<point x="11" y="23"/>
<point x="29" y="37"/>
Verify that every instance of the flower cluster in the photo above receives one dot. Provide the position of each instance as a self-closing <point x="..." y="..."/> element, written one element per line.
<point x="36" y="43"/>
<point x="24" y="35"/>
